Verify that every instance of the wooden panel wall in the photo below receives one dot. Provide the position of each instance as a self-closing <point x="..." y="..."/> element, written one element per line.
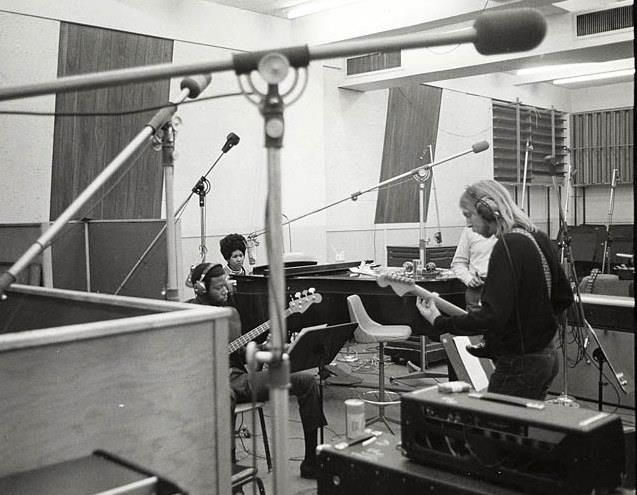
<point x="83" y="146"/>
<point x="412" y="125"/>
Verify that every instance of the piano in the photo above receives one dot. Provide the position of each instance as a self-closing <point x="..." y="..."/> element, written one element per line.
<point x="335" y="282"/>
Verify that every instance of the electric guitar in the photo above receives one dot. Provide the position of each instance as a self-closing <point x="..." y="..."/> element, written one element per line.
<point x="402" y="285"/>
<point x="297" y="305"/>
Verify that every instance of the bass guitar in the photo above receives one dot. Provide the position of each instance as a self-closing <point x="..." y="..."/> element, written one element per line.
<point x="297" y="305"/>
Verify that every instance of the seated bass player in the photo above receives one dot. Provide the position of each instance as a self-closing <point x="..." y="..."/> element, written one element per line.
<point x="211" y="288"/>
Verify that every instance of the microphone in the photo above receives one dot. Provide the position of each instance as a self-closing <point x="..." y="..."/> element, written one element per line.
<point x="196" y="84"/>
<point x="492" y="32"/>
<point x="480" y="147"/>
<point x="509" y="31"/>
<point x="231" y="140"/>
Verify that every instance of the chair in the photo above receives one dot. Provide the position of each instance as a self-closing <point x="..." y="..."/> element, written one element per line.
<point x="242" y="475"/>
<point x="258" y="406"/>
<point x="369" y="331"/>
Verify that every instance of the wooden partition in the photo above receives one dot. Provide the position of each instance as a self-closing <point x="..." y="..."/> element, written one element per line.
<point x="145" y="380"/>
<point x="15" y="239"/>
<point x="93" y="256"/>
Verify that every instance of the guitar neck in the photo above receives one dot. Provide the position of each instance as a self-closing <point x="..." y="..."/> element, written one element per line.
<point x="443" y="305"/>
<point x="252" y="334"/>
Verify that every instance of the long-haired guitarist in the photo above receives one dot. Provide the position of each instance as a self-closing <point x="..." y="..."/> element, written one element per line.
<point x="209" y="282"/>
<point x="524" y="292"/>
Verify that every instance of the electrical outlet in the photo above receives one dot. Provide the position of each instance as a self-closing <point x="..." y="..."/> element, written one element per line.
<point x="340" y="256"/>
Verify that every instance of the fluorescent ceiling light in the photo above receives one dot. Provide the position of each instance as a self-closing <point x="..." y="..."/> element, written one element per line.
<point x="595" y="77"/>
<point x="314" y="6"/>
<point x="528" y="71"/>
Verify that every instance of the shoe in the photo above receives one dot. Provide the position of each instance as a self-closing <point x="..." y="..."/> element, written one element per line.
<point x="480" y="350"/>
<point x="309" y="470"/>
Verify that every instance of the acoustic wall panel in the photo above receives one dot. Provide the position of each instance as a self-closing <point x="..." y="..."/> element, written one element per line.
<point x="85" y="144"/>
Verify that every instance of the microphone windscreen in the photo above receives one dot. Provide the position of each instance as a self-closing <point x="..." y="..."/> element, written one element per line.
<point x="479" y="147"/>
<point x="509" y="31"/>
<point x="231" y="140"/>
<point x="196" y="84"/>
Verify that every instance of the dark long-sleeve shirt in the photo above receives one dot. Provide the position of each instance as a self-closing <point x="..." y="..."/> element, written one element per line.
<point x="237" y="358"/>
<point x="516" y="314"/>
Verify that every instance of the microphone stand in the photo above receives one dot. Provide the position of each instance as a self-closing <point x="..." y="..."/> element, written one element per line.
<point x="177" y="216"/>
<point x="476" y="148"/>
<point x="129" y="153"/>
<point x="168" y="162"/>
<point x="609" y="220"/>
<point x="421" y="177"/>
<point x="529" y="147"/>
<point x="202" y="187"/>
<point x="566" y="257"/>
<point x="599" y="355"/>
<point x="273" y="66"/>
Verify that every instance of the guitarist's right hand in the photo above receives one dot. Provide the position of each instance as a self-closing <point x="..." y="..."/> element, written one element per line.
<point x="427" y="308"/>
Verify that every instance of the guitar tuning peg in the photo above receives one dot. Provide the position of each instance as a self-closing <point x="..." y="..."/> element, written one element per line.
<point x="305" y="292"/>
<point x="311" y="290"/>
<point x="297" y="295"/>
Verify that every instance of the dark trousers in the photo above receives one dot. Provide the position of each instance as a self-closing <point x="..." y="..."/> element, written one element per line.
<point x="302" y="385"/>
<point x="528" y="375"/>
<point x="472" y="297"/>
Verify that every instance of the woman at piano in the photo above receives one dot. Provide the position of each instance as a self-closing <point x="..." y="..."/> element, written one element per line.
<point x="525" y="292"/>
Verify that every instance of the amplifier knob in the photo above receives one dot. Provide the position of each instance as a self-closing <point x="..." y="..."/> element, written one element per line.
<point x="336" y="480"/>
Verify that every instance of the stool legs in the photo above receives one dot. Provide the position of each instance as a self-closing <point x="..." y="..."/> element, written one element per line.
<point x="266" y="444"/>
<point x="381" y="403"/>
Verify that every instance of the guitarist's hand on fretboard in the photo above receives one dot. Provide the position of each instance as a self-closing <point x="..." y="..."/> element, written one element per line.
<point x="427" y="308"/>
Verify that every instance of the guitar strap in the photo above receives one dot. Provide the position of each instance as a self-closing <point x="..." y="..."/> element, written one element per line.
<point x="545" y="265"/>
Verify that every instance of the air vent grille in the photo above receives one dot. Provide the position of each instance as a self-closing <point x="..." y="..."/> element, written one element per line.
<point x="604" y="21"/>
<point x="372" y="62"/>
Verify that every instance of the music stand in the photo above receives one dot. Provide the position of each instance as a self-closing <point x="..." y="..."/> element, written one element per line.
<point x="317" y="347"/>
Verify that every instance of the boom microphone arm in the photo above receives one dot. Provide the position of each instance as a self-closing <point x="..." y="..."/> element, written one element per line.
<point x="504" y="31"/>
<point x="475" y="148"/>
<point x="190" y="86"/>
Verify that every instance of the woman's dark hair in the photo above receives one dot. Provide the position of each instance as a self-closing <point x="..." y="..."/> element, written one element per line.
<point x="231" y="243"/>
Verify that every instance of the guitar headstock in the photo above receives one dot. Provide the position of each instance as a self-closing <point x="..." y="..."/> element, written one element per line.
<point x="251" y="240"/>
<point x="401" y="284"/>
<point x="363" y="269"/>
<point x="304" y="300"/>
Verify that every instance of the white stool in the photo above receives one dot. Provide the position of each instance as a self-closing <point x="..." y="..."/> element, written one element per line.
<point x="369" y="331"/>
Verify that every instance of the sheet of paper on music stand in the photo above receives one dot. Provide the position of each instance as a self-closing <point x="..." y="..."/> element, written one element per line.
<point x="477" y="375"/>
<point x="304" y="330"/>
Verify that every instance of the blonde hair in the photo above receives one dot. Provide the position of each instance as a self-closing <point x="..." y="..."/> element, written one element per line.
<point x="506" y="213"/>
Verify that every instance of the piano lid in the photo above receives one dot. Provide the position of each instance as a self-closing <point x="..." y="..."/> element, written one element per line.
<point x="294" y="269"/>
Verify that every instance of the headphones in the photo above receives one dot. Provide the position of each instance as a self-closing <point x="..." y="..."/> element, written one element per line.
<point x="199" y="285"/>
<point x="488" y="209"/>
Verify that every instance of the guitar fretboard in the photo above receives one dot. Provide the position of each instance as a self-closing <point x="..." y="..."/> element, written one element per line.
<point x="252" y="334"/>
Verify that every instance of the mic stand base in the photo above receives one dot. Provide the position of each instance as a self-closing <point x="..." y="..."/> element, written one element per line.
<point x="563" y="400"/>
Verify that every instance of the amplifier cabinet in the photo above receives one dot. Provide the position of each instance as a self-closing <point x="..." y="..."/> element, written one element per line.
<point x="382" y="469"/>
<point x="537" y="447"/>
<point x="97" y="474"/>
